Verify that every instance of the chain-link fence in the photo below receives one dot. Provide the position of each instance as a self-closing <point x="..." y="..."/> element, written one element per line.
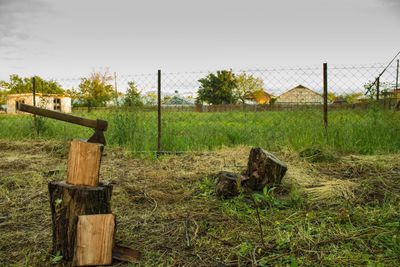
<point x="200" y="111"/>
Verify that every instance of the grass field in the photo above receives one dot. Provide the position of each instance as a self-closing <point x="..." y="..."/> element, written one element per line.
<point x="361" y="131"/>
<point x="340" y="212"/>
<point x="340" y="208"/>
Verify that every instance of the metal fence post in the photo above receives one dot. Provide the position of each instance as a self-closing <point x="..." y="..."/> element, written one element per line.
<point x="116" y="89"/>
<point x="159" y="112"/>
<point x="34" y="91"/>
<point x="397" y="75"/>
<point x="377" y="89"/>
<point x="325" y="84"/>
<point x="35" y="124"/>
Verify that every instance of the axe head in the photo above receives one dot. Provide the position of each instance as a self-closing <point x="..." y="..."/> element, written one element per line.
<point x="98" y="136"/>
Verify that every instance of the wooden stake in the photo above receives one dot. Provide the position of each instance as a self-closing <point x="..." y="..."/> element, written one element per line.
<point x="84" y="163"/>
<point x="94" y="240"/>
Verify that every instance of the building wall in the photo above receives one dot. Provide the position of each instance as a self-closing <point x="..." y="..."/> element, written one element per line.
<point x="66" y="105"/>
<point x="300" y="96"/>
<point x="11" y="102"/>
<point x="46" y="102"/>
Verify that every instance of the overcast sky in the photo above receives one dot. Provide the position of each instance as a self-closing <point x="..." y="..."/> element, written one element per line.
<point x="71" y="38"/>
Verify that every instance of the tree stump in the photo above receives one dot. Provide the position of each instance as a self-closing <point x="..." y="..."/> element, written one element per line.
<point x="67" y="202"/>
<point x="227" y="184"/>
<point x="263" y="169"/>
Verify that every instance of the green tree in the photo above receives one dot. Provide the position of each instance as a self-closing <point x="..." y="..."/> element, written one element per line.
<point x="19" y="85"/>
<point x="218" y="88"/>
<point x="352" y="98"/>
<point x="150" y="98"/>
<point x="132" y="97"/>
<point x="384" y="88"/>
<point x="247" y="86"/>
<point x="331" y="96"/>
<point x="97" y="89"/>
<point x="3" y="97"/>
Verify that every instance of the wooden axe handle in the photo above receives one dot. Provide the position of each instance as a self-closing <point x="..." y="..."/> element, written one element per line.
<point x="100" y="125"/>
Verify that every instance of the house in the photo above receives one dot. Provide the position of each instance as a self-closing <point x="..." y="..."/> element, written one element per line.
<point x="262" y="97"/>
<point x="339" y="100"/>
<point x="178" y="101"/>
<point x="362" y="98"/>
<point x="395" y="93"/>
<point x="300" y="95"/>
<point x="48" y="101"/>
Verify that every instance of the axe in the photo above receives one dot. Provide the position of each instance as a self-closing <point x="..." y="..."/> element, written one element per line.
<point x="99" y="126"/>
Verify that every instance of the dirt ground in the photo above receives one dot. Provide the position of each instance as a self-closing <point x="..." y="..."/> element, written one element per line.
<point x="166" y="209"/>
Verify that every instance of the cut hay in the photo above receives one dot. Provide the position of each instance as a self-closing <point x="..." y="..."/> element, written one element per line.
<point x="167" y="210"/>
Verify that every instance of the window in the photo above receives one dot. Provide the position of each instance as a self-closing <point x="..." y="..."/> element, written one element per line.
<point x="57" y="104"/>
<point x="17" y="102"/>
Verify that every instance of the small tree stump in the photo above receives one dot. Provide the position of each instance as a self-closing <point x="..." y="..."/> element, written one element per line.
<point x="263" y="169"/>
<point x="67" y="202"/>
<point x="227" y="184"/>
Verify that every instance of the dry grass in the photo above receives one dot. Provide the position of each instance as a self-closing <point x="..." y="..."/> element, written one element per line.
<point x="328" y="213"/>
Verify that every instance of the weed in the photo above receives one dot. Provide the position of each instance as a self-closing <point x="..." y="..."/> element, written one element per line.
<point x="56" y="258"/>
<point x="206" y="187"/>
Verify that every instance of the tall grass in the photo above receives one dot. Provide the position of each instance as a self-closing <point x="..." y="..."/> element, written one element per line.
<point x="359" y="131"/>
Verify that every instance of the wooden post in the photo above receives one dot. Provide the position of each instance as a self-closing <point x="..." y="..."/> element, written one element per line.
<point x="67" y="202"/>
<point x="94" y="240"/>
<point x="84" y="163"/>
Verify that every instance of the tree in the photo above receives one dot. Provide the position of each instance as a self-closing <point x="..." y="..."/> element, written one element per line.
<point x="384" y="88"/>
<point x="97" y="89"/>
<point x="332" y="97"/>
<point x="19" y="85"/>
<point x="166" y="99"/>
<point x="3" y="97"/>
<point x="352" y="98"/>
<point x="132" y="97"/>
<point x="247" y="86"/>
<point x="218" y="88"/>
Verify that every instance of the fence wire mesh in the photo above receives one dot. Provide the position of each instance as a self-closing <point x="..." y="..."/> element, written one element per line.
<point x="271" y="108"/>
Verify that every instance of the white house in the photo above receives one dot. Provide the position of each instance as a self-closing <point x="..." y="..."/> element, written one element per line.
<point x="48" y="101"/>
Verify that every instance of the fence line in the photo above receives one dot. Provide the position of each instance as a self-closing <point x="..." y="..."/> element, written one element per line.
<point x="293" y="102"/>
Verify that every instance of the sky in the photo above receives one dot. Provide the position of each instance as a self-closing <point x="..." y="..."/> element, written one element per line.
<point x="72" y="38"/>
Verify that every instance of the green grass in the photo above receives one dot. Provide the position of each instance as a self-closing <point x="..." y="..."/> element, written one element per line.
<point x="299" y="231"/>
<point x="361" y="131"/>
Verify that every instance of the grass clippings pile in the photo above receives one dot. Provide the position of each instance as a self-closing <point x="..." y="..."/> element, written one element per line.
<point x="343" y="211"/>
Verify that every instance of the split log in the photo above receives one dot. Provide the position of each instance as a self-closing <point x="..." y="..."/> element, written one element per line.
<point x="94" y="240"/>
<point x="84" y="163"/>
<point x="67" y="202"/>
<point x="263" y="169"/>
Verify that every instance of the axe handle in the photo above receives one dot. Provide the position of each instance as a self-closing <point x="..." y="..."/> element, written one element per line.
<point x="95" y="124"/>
